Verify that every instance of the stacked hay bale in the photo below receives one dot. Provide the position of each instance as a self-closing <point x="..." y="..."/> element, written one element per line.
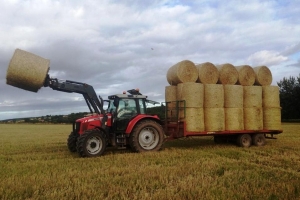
<point x="193" y="115"/>
<point x="224" y="97"/>
<point x="27" y="71"/>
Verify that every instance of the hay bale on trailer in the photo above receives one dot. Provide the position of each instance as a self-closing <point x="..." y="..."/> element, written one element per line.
<point x="234" y="119"/>
<point x="194" y="119"/>
<point x="207" y="73"/>
<point x="27" y="71"/>
<point x="192" y="93"/>
<point x="272" y="118"/>
<point x="213" y="96"/>
<point x="182" y="72"/>
<point x="170" y="97"/>
<point x="214" y="119"/>
<point x="252" y="96"/>
<point x="246" y="75"/>
<point x="270" y="96"/>
<point x="233" y="96"/>
<point x="227" y="74"/>
<point x="263" y="76"/>
<point x="253" y="118"/>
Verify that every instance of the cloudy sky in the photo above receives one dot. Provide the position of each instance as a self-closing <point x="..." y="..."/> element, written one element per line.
<point x="119" y="45"/>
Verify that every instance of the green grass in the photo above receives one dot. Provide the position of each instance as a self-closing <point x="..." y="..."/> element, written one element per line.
<point x="35" y="164"/>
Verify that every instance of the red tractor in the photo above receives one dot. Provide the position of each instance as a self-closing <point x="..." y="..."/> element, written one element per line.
<point x="125" y="122"/>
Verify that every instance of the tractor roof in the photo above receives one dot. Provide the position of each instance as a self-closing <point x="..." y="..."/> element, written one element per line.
<point x="127" y="96"/>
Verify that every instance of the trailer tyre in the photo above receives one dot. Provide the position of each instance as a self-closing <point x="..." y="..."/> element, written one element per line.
<point x="259" y="139"/>
<point x="91" y="143"/>
<point x="244" y="140"/>
<point x="72" y="139"/>
<point x="147" y="135"/>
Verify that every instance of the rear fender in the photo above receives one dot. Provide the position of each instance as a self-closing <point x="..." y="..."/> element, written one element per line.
<point x="137" y="119"/>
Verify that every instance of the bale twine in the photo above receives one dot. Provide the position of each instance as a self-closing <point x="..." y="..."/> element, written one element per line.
<point x="233" y="96"/>
<point x="27" y="71"/>
<point x="253" y="118"/>
<point x="263" y="76"/>
<point x="192" y="93"/>
<point x="213" y="96"/>
<point x="234" y="119"/>
<point x="214" y="119"/>
<point x="182" y="72"/>
<point x="171" y="95"/>
<point x="252" y="96"/>
<point x="227" y="74"/>
<point x="270" y="96"/>
<point x="272" y="118"/>
<point x="194" y="119"/>
<point x="246" y="75"/>
<point x="207" y="73"/>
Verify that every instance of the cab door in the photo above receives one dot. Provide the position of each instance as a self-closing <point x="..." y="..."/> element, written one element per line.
<point x="126" y="110"/>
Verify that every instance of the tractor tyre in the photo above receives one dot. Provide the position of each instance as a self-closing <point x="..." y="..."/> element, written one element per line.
<point x="259" y="139"/>
<point x="244" y="140"/>
<point x="147" y="135"/>
<point x="72" y="139"/>
<point x="91" y="143"/>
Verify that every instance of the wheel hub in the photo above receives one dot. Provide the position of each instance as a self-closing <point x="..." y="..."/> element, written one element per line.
<point x="148" y="138"/>
<point x="94" y="145"/>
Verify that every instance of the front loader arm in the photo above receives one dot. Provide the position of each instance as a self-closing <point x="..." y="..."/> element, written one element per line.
<point x="88" y="92"/>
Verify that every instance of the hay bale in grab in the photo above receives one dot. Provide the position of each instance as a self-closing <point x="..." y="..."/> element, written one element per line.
<point x="270" y="96"/>
<point x="182" y="72"/>
<point x="227" y="74"/>
<point x="233" y="96"/>
<point x="207" y="73"/>
<point x="246" y="75"/>
<point x="192" y="93"/>
<point x="27" y="71"/>
<point x="263" y="76"/>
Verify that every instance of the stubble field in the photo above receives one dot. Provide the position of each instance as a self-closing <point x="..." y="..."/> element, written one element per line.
<point x="35" y="164"/>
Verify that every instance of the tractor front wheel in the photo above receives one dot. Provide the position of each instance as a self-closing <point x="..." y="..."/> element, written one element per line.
<point x="147" y="135"/>
<point x="91" y="143"/>
<point x="72" y="139"/>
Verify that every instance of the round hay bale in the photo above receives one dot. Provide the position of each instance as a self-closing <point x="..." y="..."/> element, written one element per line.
<point x="272" y="118"/>
<point x="246" y="75"/>
<point x="270" y="96"/>
<point x="192" y="93"/>
<point x="263" y="76"/>
<point x="213" y="96"/>
<point x="253" y="118"/>
<point x="214" y="119"/>
<point x="170" y="96"/>
<point x="233" y="96"/>
<point x="182" y="72"/>
<point x="27" y="71"/>
<point x="234" y="119"/>
<point x="252" y="96"/>
<point x="194" y="119"/>
<point x="227" y="74"/>
<point x="207" y="73"/>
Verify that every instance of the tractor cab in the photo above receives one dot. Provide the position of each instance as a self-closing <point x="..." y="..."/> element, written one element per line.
<point x="124" y="107"/>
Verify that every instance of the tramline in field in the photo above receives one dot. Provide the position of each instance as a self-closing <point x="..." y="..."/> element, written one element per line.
<point x="125" y="122"/>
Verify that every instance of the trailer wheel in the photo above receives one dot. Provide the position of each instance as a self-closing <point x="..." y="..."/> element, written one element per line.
<point x="91" y="143"/>
<point x="259" y="139"/>
<point x="72" y="139"/>
<point x="244" y="140"/>
<point x="147" y="135"/>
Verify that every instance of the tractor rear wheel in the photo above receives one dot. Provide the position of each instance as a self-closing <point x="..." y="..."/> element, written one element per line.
<point x="72" y="139"/>
<point x="147" y="135"/>
<point x="259" y="139"/>
<point x="91" y="143"/>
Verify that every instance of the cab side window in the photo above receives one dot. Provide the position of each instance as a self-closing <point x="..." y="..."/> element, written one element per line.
<point x="142" y="106"/>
